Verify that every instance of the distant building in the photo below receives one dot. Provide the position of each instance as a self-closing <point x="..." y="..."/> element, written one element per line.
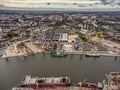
<point x="55" y="38"/>
<point x="1" y="33"/>
<point x="63" y="35"/>
<point x="0" y="29"/>
<point x="48" y="38"/>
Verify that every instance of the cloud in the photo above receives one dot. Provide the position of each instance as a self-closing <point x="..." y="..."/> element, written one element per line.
<point x="80" y="4"/>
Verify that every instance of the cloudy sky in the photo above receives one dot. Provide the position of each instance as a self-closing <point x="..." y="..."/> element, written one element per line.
<point x="77" y="1"/>
<point x="67" y="4"/>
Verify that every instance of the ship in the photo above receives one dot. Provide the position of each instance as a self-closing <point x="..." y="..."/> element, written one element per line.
<point x="92" y="86"/>
<point x="48" y="82"/>
<point x="92" y="55"/>
<point x="58" y="54"/>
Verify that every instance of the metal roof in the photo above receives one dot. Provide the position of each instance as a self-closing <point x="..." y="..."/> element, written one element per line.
<point x="59" y="31"/>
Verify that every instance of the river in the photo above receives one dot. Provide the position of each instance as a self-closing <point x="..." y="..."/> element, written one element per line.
<point x="77" y="67"/>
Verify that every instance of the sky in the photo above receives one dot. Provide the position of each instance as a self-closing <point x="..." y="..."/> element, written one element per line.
<point x="77" y="1"/>
<point x="66" y="4"/>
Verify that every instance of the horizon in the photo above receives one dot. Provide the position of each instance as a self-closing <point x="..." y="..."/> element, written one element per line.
<point x="106" y="5"/>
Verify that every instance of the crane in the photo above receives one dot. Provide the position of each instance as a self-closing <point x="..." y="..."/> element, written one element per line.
<point x="82" y="83"/>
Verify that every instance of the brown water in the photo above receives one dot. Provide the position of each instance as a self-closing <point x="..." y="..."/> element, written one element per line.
<point x="76" y="67"/>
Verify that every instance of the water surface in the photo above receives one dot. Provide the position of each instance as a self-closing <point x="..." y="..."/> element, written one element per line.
<point x="76" y="67"/>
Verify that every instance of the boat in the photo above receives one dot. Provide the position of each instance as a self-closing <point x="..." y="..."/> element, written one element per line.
<point x="95" y="86"/>
<point x="48" y="82"/>
<point x="88" y="85"/>
<point x="92" y="55"/>
<point x="58" y="54"/>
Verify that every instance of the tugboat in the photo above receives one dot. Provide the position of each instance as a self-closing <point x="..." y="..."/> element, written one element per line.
<point x="49" y="82"/>
<point x="58" y="54"/>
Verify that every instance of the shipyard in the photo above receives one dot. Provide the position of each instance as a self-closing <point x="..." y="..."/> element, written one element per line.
<point x="91" y="35"/>
<point x="59" y="50"/>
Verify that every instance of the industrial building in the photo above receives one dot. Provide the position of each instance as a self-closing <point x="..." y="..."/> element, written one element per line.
<point x="63" y="35"/>
<point x="72" y="38"/>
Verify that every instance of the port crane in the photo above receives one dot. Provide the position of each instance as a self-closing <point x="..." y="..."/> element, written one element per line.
<point x="82" y="83"/>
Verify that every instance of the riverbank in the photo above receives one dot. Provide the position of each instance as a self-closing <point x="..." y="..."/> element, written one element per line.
<point x="10" y="52"/>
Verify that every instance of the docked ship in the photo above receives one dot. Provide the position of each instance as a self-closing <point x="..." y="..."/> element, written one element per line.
<point x="92" y="86"/>
<point x="58" y="54"/>
<point x="92" y="55"/>
<point x="49" y="82"/>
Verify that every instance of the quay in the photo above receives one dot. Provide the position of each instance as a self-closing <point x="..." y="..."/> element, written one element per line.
<point x="67" y="88"/>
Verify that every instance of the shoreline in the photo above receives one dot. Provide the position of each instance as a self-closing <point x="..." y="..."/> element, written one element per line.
<point x="46" y="53"/>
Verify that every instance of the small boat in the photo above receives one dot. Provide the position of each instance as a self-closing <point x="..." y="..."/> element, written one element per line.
<point x="58" y="54"/>
<point x="92" y="55"/>
<point x="88" y="85"/>
<point x="48" y="82"/>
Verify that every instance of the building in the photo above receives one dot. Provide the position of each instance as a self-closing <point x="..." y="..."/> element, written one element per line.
<point x="55" y="38"/>
<point x="48" y="38"/>
<point x="63" y="35"/>
<point x="72" y="38"/>
<point x="68" y="48"/>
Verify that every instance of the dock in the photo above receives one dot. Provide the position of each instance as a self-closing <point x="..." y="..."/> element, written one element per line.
<point x="66" y="88"/>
